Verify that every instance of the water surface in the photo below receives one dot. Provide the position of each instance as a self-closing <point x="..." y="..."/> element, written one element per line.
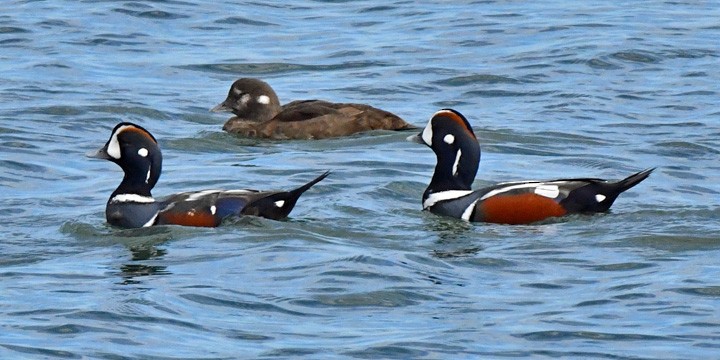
<point x="553" y="89"/>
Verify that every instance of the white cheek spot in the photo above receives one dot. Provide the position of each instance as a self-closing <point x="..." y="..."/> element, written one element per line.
<point x="263" y="99"/>
<point x="213" y="209"/>
<point x="236" y="91"/>
<point x="548" y="191"/>
<point x="244" y="99"/>
<point x="449" y="139"/>
<point x="427" y="134"/>
<point x="457" y="161"/>
<point x="600" y="197"/>
<point x="280" y="203"/>
<point x="143" y="152"/>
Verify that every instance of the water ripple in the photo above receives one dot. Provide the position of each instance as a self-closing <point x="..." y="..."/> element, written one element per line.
<point x="591" y="335"/>
<point x="237" y="20"/>
<point x="279" y="68"/>
<point x="379" y="298"/>
<point x="208" y="300"/>
<point x="152" y="14"/>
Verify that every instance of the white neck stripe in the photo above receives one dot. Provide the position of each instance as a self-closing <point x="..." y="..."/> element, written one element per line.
<point x="457" y="162"/>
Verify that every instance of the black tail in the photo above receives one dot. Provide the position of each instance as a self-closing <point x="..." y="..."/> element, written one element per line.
<point x="278" y="205"/>
<point x="633" y="180"/>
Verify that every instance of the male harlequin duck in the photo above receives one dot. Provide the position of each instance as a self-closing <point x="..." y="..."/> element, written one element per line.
<point x="450" y="136"/>
<point x="131" y="205"/>
<point x="259" y="115"/>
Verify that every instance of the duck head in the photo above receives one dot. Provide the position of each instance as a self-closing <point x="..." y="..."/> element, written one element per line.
<point x="137" y="152"/>
<point x="450" y="136"/>
<point x="250" y="99"/>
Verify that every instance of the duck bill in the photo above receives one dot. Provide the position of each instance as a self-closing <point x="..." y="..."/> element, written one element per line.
<point x="416" y="139"/>
<point x="221" y="107"/>
<point x="99" y="154"/>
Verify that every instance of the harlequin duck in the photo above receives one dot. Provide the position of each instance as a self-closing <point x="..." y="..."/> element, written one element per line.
<point x="131" y="205"/>
<point x="450" y="136"/>
<point x="259" y="115"/>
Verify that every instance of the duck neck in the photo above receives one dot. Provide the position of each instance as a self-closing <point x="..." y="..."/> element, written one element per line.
<point x="133" y="185"/>
<point x="140" y="178"/>
<point x="260" y="113"/>
<point x="455" y="170"/>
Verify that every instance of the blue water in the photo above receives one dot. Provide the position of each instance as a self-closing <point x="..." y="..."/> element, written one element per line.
<point x="552" y="88"/>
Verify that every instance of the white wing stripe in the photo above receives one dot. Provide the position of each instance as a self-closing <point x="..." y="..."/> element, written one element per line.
<point x="200" y="194"/>
<point x="543" y="189"/>
<point x="548" y="191"/>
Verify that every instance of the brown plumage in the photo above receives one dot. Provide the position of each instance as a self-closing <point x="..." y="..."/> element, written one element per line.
<point x="259" y="115"/>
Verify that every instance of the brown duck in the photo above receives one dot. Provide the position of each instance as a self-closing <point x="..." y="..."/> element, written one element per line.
<point x="259" y="115"/>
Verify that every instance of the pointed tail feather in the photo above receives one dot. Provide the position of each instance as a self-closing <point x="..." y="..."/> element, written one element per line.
<point x="278" y="205"/>
<point x="633" y="179"/>
<point x="299" y="191"/>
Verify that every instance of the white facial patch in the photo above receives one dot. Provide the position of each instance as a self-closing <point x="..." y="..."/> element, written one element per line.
<point x="280" y="203"/>
<point x="113" y="147"/>
<point x="600" y="198"/>
<point x="236" y="91"/>
<point x="548" y="191"/>
<point x="457" y="161"/>
<point x="244" y="99"/>
<point x="449" y="139"/>
<point x="143" y="152"/>
<point x="263" y="99"/>
<point x="213" y="209"/>
<point x="427" y="134"/>
<point x="444" y="195"/>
